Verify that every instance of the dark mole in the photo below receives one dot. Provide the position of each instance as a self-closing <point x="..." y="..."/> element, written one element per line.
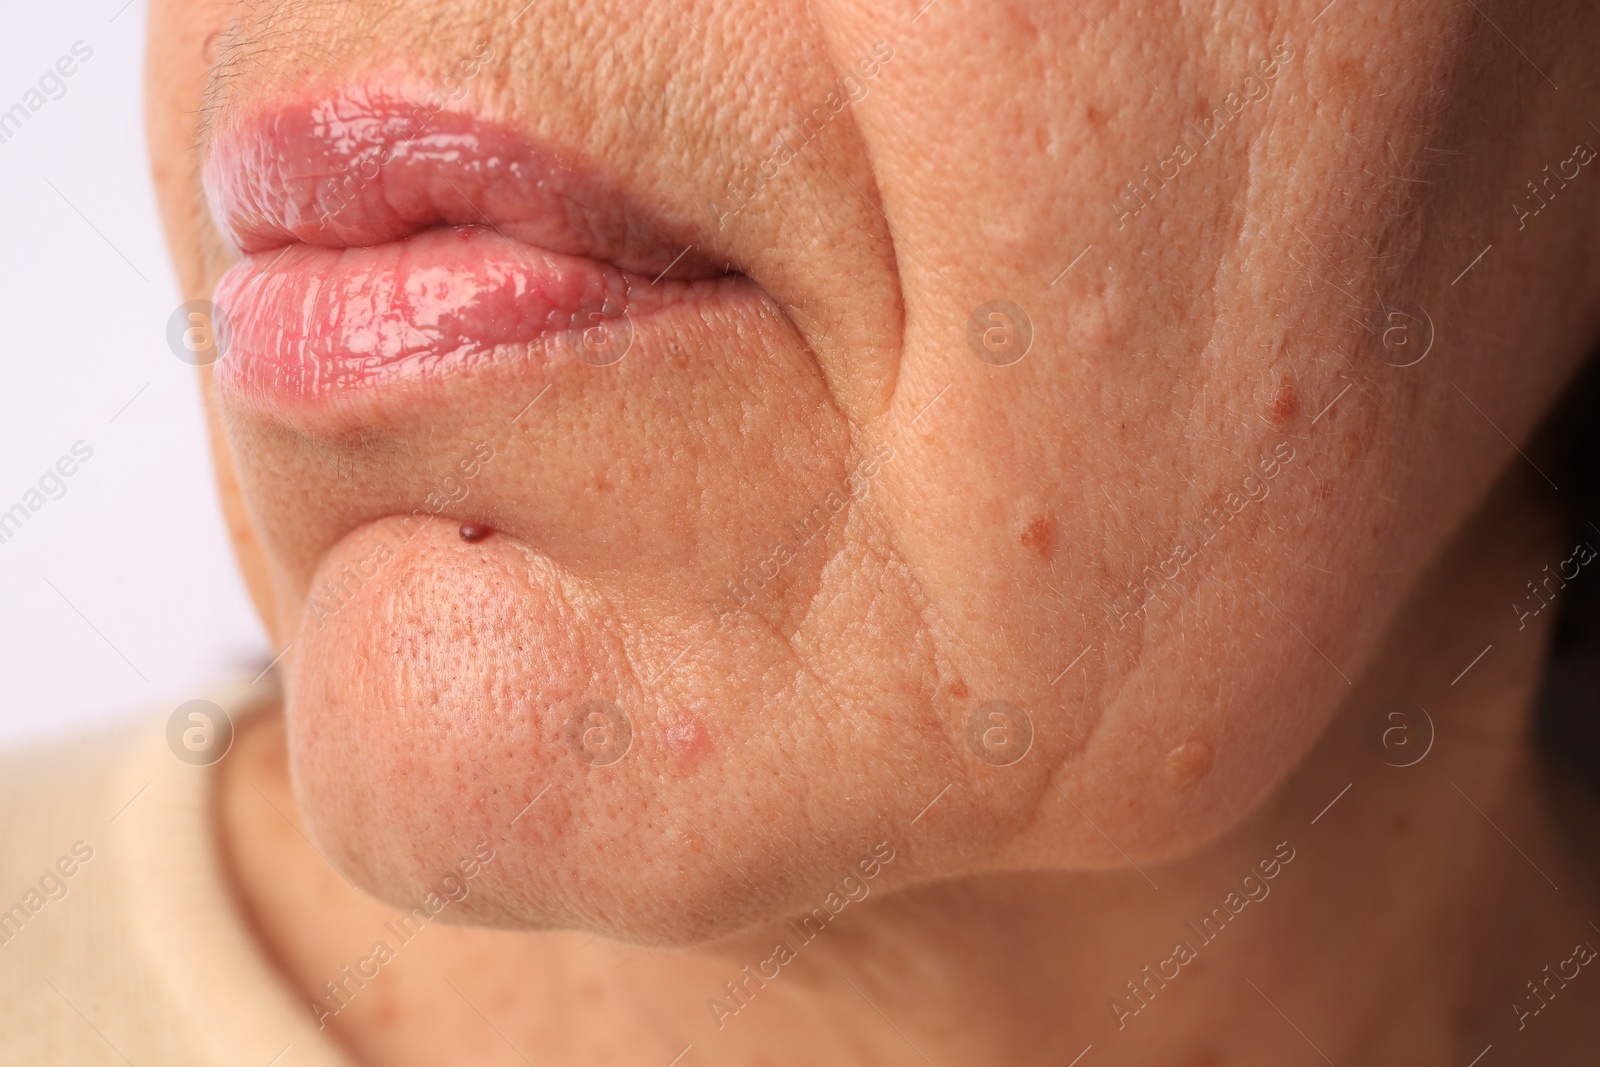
<point x="1039" y="537"/>
<point x="473" y="532"/>
<point x="958" y="691"/>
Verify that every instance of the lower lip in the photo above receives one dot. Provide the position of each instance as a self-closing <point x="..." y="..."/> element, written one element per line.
<point x="303" y="323"/>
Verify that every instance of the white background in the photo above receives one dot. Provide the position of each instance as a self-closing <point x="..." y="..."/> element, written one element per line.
<point x="136" y="545"/>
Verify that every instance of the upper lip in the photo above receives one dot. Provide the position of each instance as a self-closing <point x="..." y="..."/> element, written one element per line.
<point x="365" y="167"/>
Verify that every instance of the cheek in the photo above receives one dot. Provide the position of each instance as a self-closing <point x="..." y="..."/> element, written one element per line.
<point x="182" y="41"/>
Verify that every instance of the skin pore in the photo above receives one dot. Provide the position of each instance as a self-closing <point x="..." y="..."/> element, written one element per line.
<point x="1180" y="533"/>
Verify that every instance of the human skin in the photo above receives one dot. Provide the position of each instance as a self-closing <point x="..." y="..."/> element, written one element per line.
<point x="1193" y="338"/>
<point x="1403" y="931"/>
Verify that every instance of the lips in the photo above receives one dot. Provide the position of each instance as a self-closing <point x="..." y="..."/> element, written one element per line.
<point x="308" y="322"/>
<point x="385" y="244"/>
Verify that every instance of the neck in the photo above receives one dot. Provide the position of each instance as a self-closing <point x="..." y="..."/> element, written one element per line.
<point x="1397" y="901"/>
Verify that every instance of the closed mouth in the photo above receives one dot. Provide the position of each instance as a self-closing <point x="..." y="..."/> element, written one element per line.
<point x="379" y="249"/>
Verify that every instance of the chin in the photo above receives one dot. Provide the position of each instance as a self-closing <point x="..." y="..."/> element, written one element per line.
<point x="458" y="715"/>
<point x="450" y="700"/>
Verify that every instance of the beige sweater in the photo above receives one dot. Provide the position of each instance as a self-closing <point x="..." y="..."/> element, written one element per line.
<point x="120" y="942"/>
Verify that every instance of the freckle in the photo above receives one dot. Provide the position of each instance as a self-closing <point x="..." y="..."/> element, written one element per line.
<point x="1039" y="537"/>
<point x="1351" y="448"/>
<point x="958" y="691"/>
<point x="473" y="532"/>
<point x="687" y="740"/>
<point x="1284" y="405"/>
<point x="1188" y="763"/>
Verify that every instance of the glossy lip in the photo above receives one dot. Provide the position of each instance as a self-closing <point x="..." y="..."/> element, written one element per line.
<point x="384" y="242"/>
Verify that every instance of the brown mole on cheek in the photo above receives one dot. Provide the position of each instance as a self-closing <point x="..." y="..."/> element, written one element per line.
<point x="1285" y="404"/>
<point x="1039" y="537"/>
<point x="1188" y="763"/>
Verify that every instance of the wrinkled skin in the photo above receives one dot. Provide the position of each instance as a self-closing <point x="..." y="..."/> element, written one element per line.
<point x="1228" y="349"/>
